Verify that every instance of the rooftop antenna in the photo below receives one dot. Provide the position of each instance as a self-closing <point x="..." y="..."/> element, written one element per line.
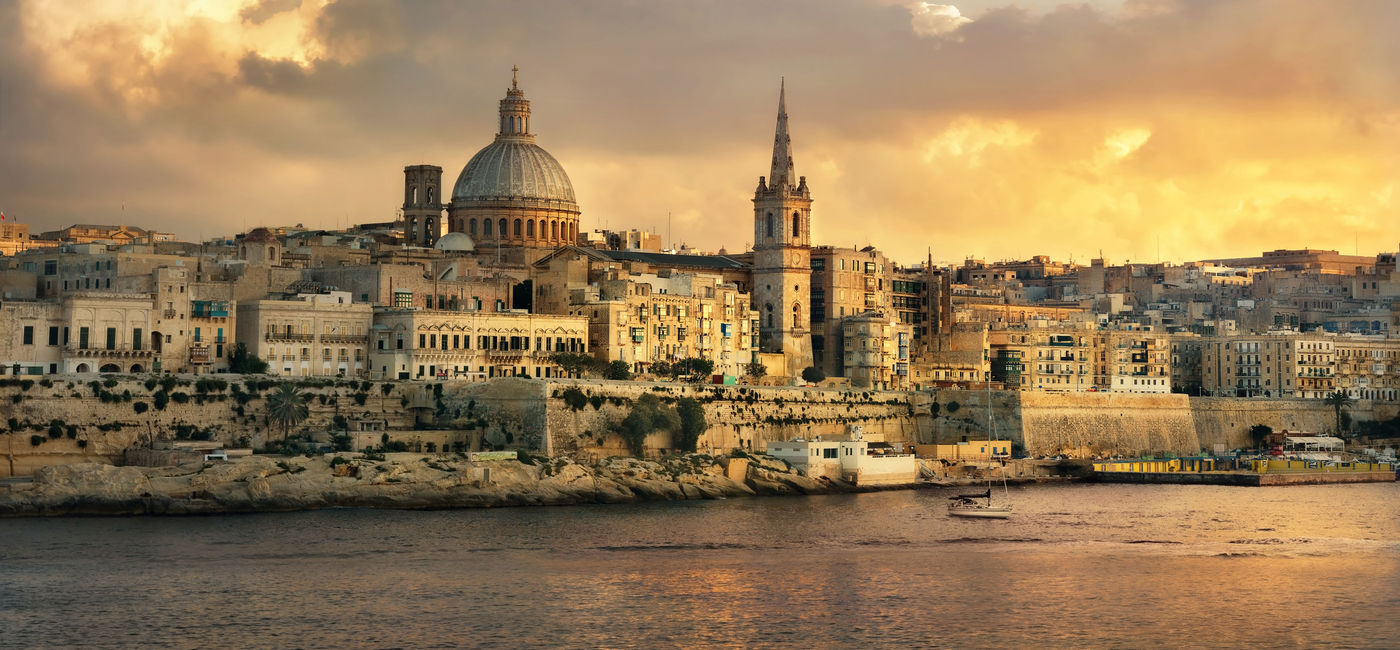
<point x="670" y="243"/>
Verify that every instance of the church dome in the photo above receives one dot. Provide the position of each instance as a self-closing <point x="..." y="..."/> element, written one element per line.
<point x="458" y="242"/>
<point x="514" y="168"/>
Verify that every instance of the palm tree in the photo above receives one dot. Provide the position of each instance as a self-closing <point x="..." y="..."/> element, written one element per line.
<point x="287" y="406"/>
<point x="1338" y="400"/>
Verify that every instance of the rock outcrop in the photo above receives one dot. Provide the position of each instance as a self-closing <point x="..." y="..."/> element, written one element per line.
<point x="407" y="481"/>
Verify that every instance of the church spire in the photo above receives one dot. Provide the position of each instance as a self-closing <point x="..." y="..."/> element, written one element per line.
<point x="782" y="173"/>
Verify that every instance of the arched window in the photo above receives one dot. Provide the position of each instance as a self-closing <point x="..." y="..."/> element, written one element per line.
<point x="471" y="226"/>
<point x="796" y="314"/>
<point x="544" y="229"/>
<point x="413" y="196"/>
<point x="517" y="227"/>
<point x="769" y="308"/>
<point x="770" y="224"/>
<point x="554" y="229"/>
<point x="486" y="227"/>
<point x="796" y="225"/>
<point x="272" y="253"/>
<point x="530" y="228"/>
<point x="430" y="196"/>
<point x="501" y="232"/>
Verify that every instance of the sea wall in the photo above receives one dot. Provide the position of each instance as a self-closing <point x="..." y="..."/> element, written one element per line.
<point x="739" y="417"/>
<point x="1227" y="420"/>
<point x="67" y="421"/>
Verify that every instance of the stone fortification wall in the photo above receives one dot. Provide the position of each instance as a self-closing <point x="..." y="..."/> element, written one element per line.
<point x="1088" y="424"/>
<point x="89" y="429"/>
<point x="1226" y="420"/>
<point x="742" y="417"/>
<point x="1074" y="424"/>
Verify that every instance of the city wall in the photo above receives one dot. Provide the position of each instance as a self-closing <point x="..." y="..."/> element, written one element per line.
<point x="537" y="414"/>
<point x="90" y="430"/>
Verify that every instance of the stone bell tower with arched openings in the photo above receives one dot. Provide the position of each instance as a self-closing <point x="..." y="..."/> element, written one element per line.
<point x="422" y="204"/>
<point x="782" y="269"/>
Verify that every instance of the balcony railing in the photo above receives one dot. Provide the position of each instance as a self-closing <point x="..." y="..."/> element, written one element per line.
<point x="286" y="336"/>
<point x="103" y="352"/>
<point x="169" y="313"/>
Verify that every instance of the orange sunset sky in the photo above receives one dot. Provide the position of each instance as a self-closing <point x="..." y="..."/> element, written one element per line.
<point x="1182" y="128"/>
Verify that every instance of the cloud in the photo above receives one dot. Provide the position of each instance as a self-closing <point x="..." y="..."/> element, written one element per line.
<point x="929" y="19"/>
<point x="1224" y="127"/>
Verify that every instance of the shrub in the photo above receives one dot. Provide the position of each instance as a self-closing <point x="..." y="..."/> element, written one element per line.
<point x="36" y="440"/>
<point x="55" y="431"/>
<point x="692" y="423"/>
<point x="648" y="415"/>
<point x="210" y="386"/>
<point x="160" y="400"/>
<point x="140" y="407"/>
<point x="813" y="374"/>
<point x="17" y="398"/>
<point x="82" y="444"/>
<point x="109" y="382"/>
<point x="361" y="397"/>
<point x="618" y="370"/>
<point x="151" y="383"/>
<point x="953" y="407"/>
<point x="180" y="398"/>
<point x="46" y="382"/>
<point x="574" y="398"/>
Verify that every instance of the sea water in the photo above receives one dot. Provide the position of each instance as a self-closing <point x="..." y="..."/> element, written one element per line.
<point x="1077" y="565"/>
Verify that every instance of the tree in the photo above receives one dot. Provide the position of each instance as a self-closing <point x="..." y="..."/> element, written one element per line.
<point x="755" y="369"/>
<point x="661" y="369"/>
<point x="241" y="362"/>
<point x="692" y="421"/>
<point x="574" y="364"/>
<point x="813" y="375"/>
<point x="1338" y="400"/>
<point x="1259" y="433"/>
<point x="287" y="406"/>
<point x="695" y="368"/>
<point x="648" y="415"/>
<point x="617" y="370"/>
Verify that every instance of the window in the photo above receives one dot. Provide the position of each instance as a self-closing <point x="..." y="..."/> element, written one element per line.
<point x="517" y="227"/>
<point x="136" y="338"/>
<point x="29" y="335"/>
<point x="770" y="224"/>
<point x="486" y="227"/>
<point x="53" y="336"/>
<point x="796" y="224"/>
<point x="111" y="338"/>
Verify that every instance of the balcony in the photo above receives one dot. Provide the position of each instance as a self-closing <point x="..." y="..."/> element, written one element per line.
<point x="200" y="354"/>
<point x="287" y="336"/>
<point x="168" y="314"/>
<point x="345" y="338"/>
<point x="119" y="352"/>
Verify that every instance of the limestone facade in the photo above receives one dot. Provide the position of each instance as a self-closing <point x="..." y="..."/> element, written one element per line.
<point x="782" y="271"/>
<point x="1277" y="365"/>
<point x="877" y="351"/>
<point x="309" y="335"/>
<point x="444" y="344"/>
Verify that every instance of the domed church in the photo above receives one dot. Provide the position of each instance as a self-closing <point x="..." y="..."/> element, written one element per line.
<point x="512" y="196"/>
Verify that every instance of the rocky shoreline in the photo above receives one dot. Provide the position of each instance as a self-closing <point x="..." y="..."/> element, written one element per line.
<point x="401" y="481"/>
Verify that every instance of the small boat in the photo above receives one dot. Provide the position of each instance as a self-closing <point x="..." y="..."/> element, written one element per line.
<point x="971" y="506"/>
<point x="979" y="506"/>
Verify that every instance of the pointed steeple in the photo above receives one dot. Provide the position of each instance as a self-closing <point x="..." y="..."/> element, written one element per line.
<point x="782" y="173"/>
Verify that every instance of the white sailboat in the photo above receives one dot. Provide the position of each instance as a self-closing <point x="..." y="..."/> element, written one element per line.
<point x="980" y="506"/>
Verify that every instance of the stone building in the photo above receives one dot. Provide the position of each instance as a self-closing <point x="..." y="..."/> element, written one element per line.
<point x="1269" y="365"/>
<point x="782" y="271"/>
<point x="1132" y="359"/>
<point x="512" y="194"/>
<point x="845" y="282"/>
<point x="321" y="334"/>
<point x="876" y="351"/>
<point x="445" y="344"/>
<point x="1368" y="368"/>
<point x="648" y="307"/>
<point x="31" y="337"/>
<point x="422" y="204"/>
<point x="1051" y="356"/>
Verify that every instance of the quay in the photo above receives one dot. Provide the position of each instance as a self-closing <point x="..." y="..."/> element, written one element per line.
<point x="1246" y="472"/>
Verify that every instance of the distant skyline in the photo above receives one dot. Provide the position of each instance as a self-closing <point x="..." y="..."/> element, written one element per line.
<point x="996" y="130"/>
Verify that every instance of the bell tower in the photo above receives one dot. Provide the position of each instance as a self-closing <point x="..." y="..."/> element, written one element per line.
<point x="422" y="204"/>
<point x="782" y="270"/>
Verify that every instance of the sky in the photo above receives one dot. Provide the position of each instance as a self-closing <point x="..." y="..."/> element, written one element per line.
<point x="1142" y="130"/>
